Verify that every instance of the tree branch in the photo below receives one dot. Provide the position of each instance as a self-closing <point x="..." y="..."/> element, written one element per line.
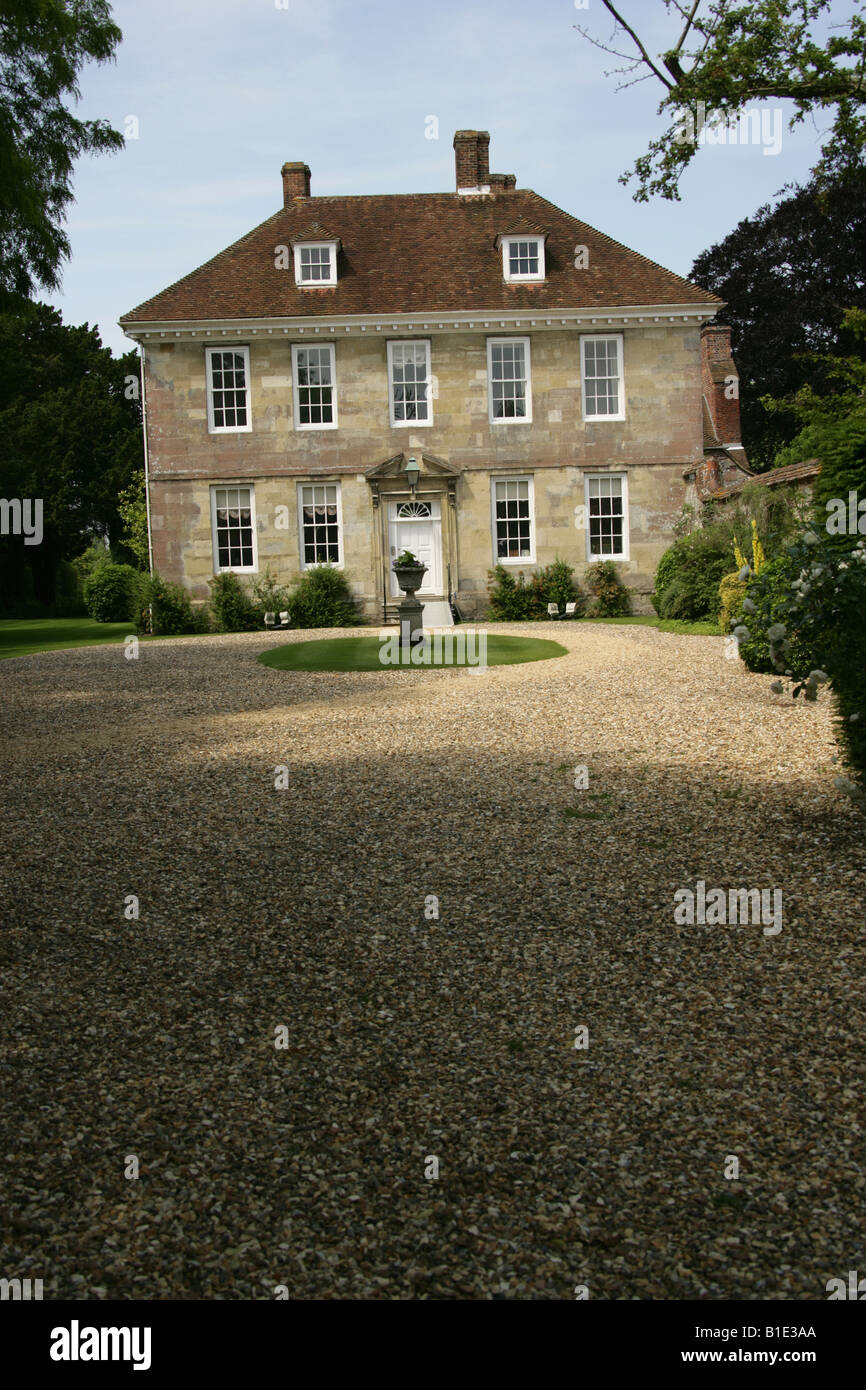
<point x="678" y="45"/>
<point x="597" y="43"/>
<point x="633" y="36"/>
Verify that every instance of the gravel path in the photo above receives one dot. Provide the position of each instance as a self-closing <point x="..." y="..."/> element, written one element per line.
<point x="408" y="1036"/>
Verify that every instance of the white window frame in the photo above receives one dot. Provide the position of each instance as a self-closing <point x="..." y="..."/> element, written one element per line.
<point x="410" y="342"/>
<point x="235" y="569"/>
<point x="296" y="389"/>
<point x="623" y="477"/>
<point x="517" y="560"/>
<point x="596" y="338"/>
<point x="318" y="482"/>
<point x="507" y="243"/>
<point x="227" y="429"/>
<point x="509" y="419"/>
<point x="331" y="248"/>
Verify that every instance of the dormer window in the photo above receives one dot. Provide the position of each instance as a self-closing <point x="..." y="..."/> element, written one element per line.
<point x="522" y="258"/>
<point x="315" y="263"/>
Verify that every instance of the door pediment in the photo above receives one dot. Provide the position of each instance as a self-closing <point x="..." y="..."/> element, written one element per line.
<point x="395" y="467"/>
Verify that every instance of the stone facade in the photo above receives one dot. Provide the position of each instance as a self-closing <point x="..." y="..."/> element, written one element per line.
<point x="660" y="437"/>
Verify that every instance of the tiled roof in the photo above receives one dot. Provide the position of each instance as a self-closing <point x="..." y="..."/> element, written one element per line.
<point x="791" y="473"/>
<point x="312" y="231"/>
<point x="521" y="226"/>
<point x="419" y="253"/>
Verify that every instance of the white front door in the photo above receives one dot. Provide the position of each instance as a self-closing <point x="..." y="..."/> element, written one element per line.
<point x="417" y="526"/>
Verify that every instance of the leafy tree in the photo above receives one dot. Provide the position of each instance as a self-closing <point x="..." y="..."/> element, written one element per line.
<point x="844" y="380"/>
<point x="788" y="273"/>
<point x="132" y="509"/>
<point x="833" y="423"/>
<point x="70" y="434"/>
<point x="724" y="56"/>
<point x="43" y="46"/>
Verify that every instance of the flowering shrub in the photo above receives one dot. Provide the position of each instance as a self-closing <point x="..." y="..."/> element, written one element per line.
<point x="758" y="560"/>
<point x="803" y="616"/>
<point x="732" y="591"/>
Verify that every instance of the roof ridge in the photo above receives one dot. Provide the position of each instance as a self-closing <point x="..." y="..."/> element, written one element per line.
<point x="431" y="243"/>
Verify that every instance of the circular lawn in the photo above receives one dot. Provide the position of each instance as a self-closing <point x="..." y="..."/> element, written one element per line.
<point x="382" y="654"/>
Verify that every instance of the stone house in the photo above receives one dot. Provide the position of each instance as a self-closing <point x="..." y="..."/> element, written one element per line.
<point x="550" y="388"/>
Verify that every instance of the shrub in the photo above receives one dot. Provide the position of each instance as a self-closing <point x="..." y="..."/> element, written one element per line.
<point x="678" y="601"/>
<point x="817" y="592"/>
<point x="268" y="595"/>
<point x="770" y="593"/>
<point x="690" y="572"/>
<point x="612" y="599"/>
<point x="666" y="572"/>
<point x="732" y="591"/>
<point x="233" y="609"/>
<point x="322" y="598"/>
<point x="556" y="584"/>
<point x="166" y="609"/>
<point x="110" y="592"/>
<point x="512" y="600"/>
<point x="90" y="559"/>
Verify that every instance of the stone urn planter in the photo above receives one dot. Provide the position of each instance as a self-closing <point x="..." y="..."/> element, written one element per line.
<point x="409" y="572"/>
<point x="410" y="576"/>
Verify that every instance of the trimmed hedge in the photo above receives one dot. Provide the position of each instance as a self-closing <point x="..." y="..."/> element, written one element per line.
<point x="322" y="598"/>
<point x="110" y="593"/>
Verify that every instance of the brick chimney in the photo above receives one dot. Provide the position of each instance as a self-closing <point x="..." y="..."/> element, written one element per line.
<point x="296" y="181"/>
<point x="720" y="382"/>
<point x="471" y="158"/>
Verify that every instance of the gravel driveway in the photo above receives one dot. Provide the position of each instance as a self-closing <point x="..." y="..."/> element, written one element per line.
<point x="408" y="1037"/>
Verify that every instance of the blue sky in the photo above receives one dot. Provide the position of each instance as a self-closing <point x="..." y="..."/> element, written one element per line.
<point x="224" y="91"/>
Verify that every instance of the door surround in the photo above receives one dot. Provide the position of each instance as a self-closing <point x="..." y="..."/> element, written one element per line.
<point x="415" y="523"/>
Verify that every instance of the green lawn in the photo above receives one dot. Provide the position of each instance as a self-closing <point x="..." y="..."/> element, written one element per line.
<point x="23" y="636"/>
<point x="363" y="654"/>
<point x="697" y="629"/>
